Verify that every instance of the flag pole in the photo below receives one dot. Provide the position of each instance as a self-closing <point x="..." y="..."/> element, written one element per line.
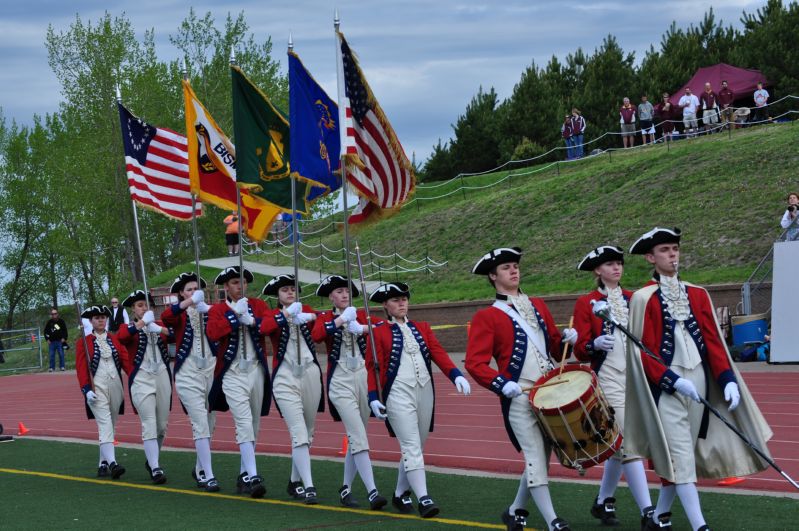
<point x="343" y="169"/>
<point x="185" y="73"/>
<point x="136" y="229"/>
<point x="294" y="237"/>
<point x="241" y="241"/>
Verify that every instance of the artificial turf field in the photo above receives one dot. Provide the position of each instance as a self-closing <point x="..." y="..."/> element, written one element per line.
<point x="50" y="484"/>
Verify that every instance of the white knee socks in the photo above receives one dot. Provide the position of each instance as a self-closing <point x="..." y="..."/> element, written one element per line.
<point x="402" y="481"/>
<point x="610" y="479"/>
<point x="635" y="475"/>
<point x="689" y="497"/>
<point x="301" y="458"/>
<point x="203" y="447"/>
<point x="522" y="496"/>
<point x="665" y="499"/>
<point x="364" y="465"/>
<point x="107" y="452"/>
<point x="349" y="468"/>
<point x="247" y="450"/>
<point x="543" y="501"/>
<point x="151" y="451"/>
<point x="418" y="482"/>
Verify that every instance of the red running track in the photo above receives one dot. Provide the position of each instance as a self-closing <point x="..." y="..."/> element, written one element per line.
<point x="469" y="433"/>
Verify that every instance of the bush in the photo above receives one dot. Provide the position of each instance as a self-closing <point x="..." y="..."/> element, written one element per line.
<point x="527" y="149"/>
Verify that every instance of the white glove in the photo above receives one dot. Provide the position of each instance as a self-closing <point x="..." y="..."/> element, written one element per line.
<point x="242" y="306"/>
<point x="246" y="319"/>
<point x="294" y="308"/>
<point x="202" y="307"/>
<point x="732" y="395"/>
<point x="302" y="318"/>
<point x="355" y="328"/>
<point x="148" y="317"/>
<point x="349" y="314"/>
<point x="569" y="336"/>
<point x="153" y="328"/>
<point x="604" y="342"/>
<point x="600" y="307"/>
<point x="511" y="389"/>
<point x="198" y="296"/>
<point x="378" y="409"/>
<point x="91" y="396"/>
<point x="462" y="385"/>
<point x="686" y="387"/>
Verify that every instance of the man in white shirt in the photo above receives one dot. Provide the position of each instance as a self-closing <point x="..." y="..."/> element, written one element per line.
<point x="761" y="96"/>
<point x="689" y="103"/>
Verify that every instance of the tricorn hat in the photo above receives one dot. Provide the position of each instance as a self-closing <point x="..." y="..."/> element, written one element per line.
<point x="388" y="291"/>
<point x="274" y="285"/>
<point x="96" y="310"/>
<point x="138" y="295"/>
<point x="600" y="255"/>
<point x="183" y="279"/>
<point x="230" y="273"/>
<point x="654" y="237"/>
<point x="333" y="282"/>
<point x="496" y="257"/>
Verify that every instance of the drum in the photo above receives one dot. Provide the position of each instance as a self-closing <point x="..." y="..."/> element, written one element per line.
<point x="575" y="417"/>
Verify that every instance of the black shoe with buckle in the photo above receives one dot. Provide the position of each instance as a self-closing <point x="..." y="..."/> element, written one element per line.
<point x="296" y="490"/>
<point x="243" y="484"/>
<point x="211" y="485"/>
<point x="662" y="521"/>
<point x="158" y="476"/>
<point x="559" y="524"/>
<point x="346" y="497"/>
<point x="704" y="528"/>
<point x="646" y="516"/>
<point x="515" y="522"/>
<point x="376" y="501"/>
<point x="199" y="478"/>
<point x="257" y="488"/>
<point x="103" y="471"/>
<point x="403" y="503"/>
<point x="116" y="470"/>
<point x="606" y="512"/>
<point x="310" y="496"/>
<point x="427" y="507"/>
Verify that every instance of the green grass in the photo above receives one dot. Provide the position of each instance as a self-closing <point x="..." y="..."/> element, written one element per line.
<point x="726" y="194"/>
<point x="23" y="354"/>
<point x="47" y="503"/>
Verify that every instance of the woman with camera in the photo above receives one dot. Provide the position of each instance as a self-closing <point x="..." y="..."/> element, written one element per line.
<point x="789" y="218"/>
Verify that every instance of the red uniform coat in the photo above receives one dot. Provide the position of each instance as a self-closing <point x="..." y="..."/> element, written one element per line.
<point x="590" y="327"/>
<point x="495" y="336"/>
<point x="177" y="320"/>
<point x="223" y="327"/>
<point x="389" y="345"/>
<point x="658" y="332"/>
<point x="276" y="326"/>
<point x="131" y="337"/>
<point x="82" y="365"/>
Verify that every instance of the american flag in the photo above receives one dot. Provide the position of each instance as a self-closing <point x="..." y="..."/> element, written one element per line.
<point x="157" y="164"/>
<point x="376" y="163"/>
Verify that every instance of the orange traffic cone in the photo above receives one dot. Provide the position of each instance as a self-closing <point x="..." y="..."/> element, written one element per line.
<point x="116" y="442"/>
<point x="22" y="429"/>
<point x="344" y="445"/>
<point x="728" y="482"/>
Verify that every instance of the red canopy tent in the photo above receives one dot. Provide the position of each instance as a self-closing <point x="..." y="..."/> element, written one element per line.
<point x="741" y="81"/>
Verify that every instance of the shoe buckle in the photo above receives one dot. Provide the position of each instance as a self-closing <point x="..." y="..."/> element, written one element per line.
<point x="345" y="493"/>
<point x="520" y="520"/>
<point x="425" y="502"/>
<point x="373" y="495"/>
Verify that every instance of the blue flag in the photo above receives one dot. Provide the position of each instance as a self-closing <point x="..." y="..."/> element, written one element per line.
<point x="314" y="133"/>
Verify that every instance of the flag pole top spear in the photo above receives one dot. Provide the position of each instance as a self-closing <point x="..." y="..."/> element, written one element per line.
<point x="291" y="43"/>
<point x="232" y="55"/>
<point x="336" y="20"/>
<point x="119" y="93"/>
<point x="184" y="69"/>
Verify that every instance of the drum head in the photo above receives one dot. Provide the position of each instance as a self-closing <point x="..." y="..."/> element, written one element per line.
<point x="561" y="389"/>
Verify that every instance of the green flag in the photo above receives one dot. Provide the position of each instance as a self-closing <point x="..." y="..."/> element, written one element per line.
<point x="261" y="133"/>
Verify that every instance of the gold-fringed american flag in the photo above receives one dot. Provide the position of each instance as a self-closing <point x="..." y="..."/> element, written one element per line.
<point x="157" y="165"/>
<point x="376" y="164"/>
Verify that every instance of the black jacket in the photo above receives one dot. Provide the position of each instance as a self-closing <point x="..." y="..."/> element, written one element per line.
<point x="56" y="330"/>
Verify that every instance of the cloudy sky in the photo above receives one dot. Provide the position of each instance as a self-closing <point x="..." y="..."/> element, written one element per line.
<point x="424" y="59"/>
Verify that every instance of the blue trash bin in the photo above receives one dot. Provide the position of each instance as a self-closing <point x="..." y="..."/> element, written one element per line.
<point x="749" y="329"/>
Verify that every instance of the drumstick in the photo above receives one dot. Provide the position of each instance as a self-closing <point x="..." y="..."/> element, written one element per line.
<point x="526" y="389"/>
<point x="565" y="347"/>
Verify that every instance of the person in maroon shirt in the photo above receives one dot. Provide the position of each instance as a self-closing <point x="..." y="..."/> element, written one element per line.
<point x="725" y="100"/>
<point x="710" y="113"/>
<point x="627" y="113"/>
<point x="566" y="131"/>
<point x="665" y="113"/>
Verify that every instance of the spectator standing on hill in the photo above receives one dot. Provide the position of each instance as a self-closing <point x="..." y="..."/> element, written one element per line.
<point x="689" y="104"/>
<point x="708" y="102"/>
<point x="578" y="130"/>
<point x="55" y="332"/>
<point x="788" y="220"/>
<point x="627" y="121"/>
<point x="566" y="133"/>
<point x="119" y="316"/>
<point x="726" y="97"/>
<point x="665" y="111"/>
<point x="232" y="234"/>
<point x="646" y="112"/>
<point x="761" y="96"/>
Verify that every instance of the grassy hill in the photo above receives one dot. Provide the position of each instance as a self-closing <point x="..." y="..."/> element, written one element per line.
<point x="726" y="194"/>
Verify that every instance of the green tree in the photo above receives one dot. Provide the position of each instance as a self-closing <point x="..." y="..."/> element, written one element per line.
<point x="475" y="146"/>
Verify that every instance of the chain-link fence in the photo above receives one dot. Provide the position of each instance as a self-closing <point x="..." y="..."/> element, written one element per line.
<point x="21" y="350"/>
